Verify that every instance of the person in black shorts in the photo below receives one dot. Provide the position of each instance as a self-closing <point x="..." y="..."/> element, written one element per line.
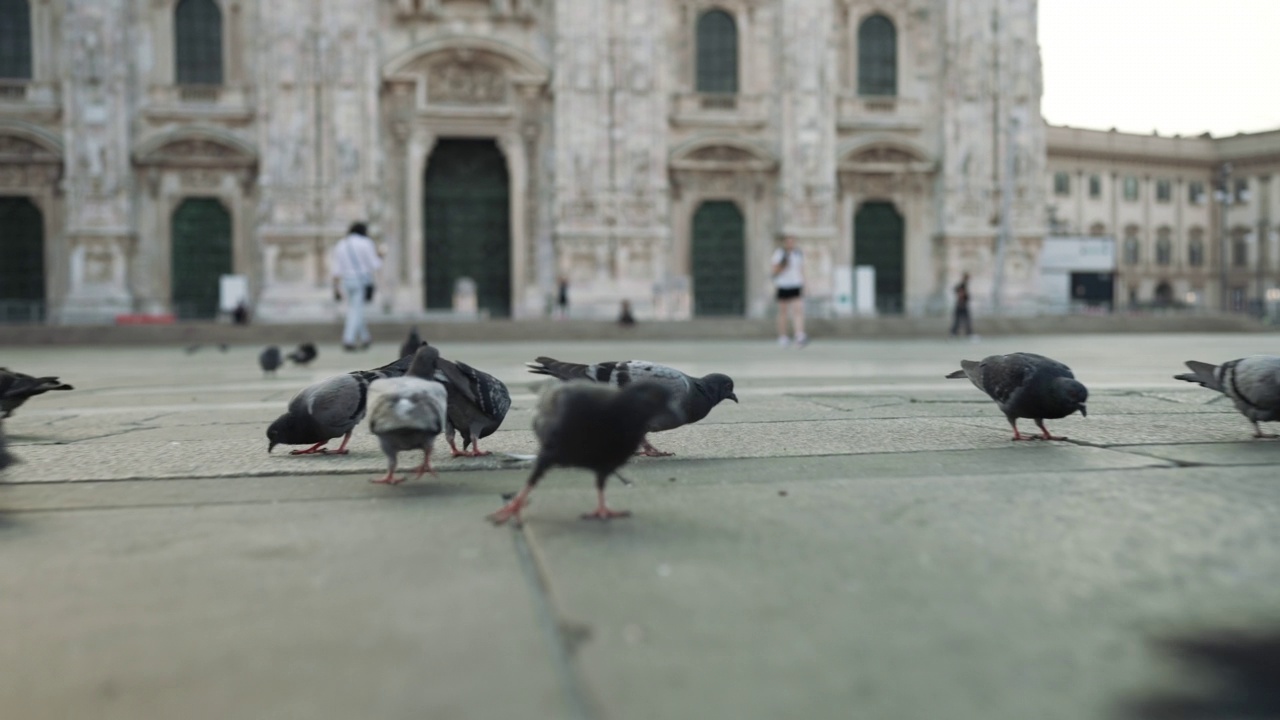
<point x="788" y="278"/>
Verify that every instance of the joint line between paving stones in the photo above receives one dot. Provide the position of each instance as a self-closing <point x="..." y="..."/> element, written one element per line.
<point x="546" y="616"/>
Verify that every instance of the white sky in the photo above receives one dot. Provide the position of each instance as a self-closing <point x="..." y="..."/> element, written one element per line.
<point x="1176" y="66"/>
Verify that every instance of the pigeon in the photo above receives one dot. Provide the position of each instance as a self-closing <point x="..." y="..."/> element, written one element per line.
<point x="407" y="413"/>
<point x="411" y="343"/>
<point x="328" y="409"/>
<point x="305" y="353"/>
<point x="592" y="426"/>
<point x="1026" y="385"/>
<point x="694" y="396"/>
<point x="1252" y="383"/>
<point x="192" y="349"/>
<point x="16" y="387"/>
<point x="270" y="360"/>
<point x="478" y="403"/>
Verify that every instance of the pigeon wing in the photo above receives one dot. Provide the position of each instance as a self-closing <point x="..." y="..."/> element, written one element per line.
<point x="337" y="405"/>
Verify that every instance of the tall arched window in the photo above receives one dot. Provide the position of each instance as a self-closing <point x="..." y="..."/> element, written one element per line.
<point x="1164" y="246"/>
<point x="877" y="57"/>
<point x="197" y="32"/>
<point x="15" y="40"/>
<point x="1195" y="247"/>
<point x="717" y="53"/>
<point x="1132" y="250"/>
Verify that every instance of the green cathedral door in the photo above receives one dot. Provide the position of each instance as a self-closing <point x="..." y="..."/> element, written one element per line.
<point x="22" y="266"/>
<point x="878" y="242"/>
<point x="467" y="224"/>
<point x="201" y="256"/>
<point x="719" y="259"/>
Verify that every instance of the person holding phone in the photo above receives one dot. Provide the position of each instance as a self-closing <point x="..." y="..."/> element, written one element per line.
<point x="788" y="279"/>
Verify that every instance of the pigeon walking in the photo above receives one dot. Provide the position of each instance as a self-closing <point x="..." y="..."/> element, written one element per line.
<point x="1026" y="385"/>
<point x="16" y="387"/>
<point x="408" y="413"/>
<point x="411" y="343"/>
<point x="270" y="360"/>
<point x="695" y="397"/>
<point x="1252" y="383"/>
<point x="592" y="426"/>
<point x="305" y="353"/>
<point x="328" y="409"/>
<point x="478" y="403"/>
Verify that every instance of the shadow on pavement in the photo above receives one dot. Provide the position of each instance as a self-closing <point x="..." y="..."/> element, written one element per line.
<point x="1239" y="673"/>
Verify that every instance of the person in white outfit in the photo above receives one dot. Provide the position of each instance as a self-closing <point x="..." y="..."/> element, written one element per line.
<point x="788" y="278"/>
<point x="354" y="265"/>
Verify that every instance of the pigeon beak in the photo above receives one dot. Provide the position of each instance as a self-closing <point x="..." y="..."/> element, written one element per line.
<point x="270" y="446"/>
<point x="733" y="397"/>
<point x="1083" y="412"/>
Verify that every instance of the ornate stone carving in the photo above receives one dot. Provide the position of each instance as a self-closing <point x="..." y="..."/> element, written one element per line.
<point x="201" y="178"/>
<point x="465" y="83"/>
<point x="721" y="153"/>
<point x="883" y="155"/>
<point x="15" y="148"/>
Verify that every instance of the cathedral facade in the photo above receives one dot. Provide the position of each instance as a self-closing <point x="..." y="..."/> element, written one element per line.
<point x="648" y="150"/>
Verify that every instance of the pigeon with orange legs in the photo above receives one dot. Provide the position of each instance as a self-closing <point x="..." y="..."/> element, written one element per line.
<point x="591" y="426"/>
<point x="1026" y="385"/>
<point x="408" y="413"/>
<point x="478" y="403"/>
<point x="1252" y="383"/>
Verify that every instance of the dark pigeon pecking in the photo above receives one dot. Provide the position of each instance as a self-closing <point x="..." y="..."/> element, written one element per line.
<point x="16" y="387"/>
<point x="408" y="413"/>
<point x="1026" y="385"/>
<point x="305" y="353"/>
<point x="592" y="426"/>
<point x="328" y="409"/>
<point x="1252" y="383"/>
<point x="411" y="343"/>
<point x="694" y="396"/>
<point x="270" y="360"/>
<point x="478" y="403"/>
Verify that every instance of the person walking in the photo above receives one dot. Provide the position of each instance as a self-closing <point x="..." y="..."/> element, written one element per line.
<point x="562" y="298"/>
<point x="961" y="316"/>
<point x="788" y="279"/>
<point x="354" y="263"/>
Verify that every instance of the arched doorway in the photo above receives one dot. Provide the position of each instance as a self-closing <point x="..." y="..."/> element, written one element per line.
<point x="878" y="241"/>
<point x="1164" y="294"/>
<point x="719" y="259"/>
<point x="467" y="224"/>
<point x="201" y="254"/>
<point x="22" y="271"/>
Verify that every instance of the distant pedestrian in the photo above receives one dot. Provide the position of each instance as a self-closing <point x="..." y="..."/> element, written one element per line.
<point x="625" y="318"/>
<point x="961" y="316"/>
<point x="788" y="279"/>
<point x="562" y="297"/>
<point x="354" y="264"/>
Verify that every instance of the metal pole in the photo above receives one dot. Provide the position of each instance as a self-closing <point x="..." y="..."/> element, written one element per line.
<point x="1224" y="201"/>
<point x="1004" y="236"/>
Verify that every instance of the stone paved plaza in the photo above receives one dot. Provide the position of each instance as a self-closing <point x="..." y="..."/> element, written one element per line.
<point x="857" y="539"/>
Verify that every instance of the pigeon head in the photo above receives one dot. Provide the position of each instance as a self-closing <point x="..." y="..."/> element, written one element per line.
<point x="1071" y="395"/>
<point x="424" y="362"/>
<point x="289" y="430"/>
<point x="719" y="387"/>
<point x="649" y="400"/>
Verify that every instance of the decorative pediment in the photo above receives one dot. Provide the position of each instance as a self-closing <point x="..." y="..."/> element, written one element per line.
<point x="14" y="149"/>
<point x="882" y="154"/>
<point x="886" y="155"/>
<point x="721" y="153"/>
<point x="457" y="82"/>
<point x="467" y="66"/>
<point x="196" y="151"/>
<point x="716" y="154"/>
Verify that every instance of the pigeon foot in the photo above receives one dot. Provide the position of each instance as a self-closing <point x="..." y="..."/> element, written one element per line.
<point x="390" y="479"/>
<point x="648" y="450"/>
<point x="317" y="449"/>
<point x="604" y="513"/>
<point x="511" y="509"/>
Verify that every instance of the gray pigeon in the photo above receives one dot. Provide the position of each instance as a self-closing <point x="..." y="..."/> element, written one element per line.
<point x="305" y="353"/>
<point x="1252" y="383"/>
<point x="328" y="409"/>
<point x="411" y="343"/>
<point x="270" y="360"/>
<point x="1026" y="385"/>
<point x="478" y="403"/>
<point x="592" y="426"/>
<point x="694" y="396"/>
<point x="16" y="387"/>
<point x="407" y="413"/>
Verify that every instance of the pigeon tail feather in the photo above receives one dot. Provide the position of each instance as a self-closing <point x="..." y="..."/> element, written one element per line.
<point x="558" y="369"/>
<point x="1202" y="374"/>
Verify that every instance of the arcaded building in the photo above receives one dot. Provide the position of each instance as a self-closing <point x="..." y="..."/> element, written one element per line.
<point x="651" y="150"/>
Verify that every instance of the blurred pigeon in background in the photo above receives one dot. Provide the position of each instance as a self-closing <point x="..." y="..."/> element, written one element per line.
<point x="305" y="353"/>
<point x="592" y="426"/>
<point x="695" y="397"/>
<point x="411" y="343"/>
<point x="1026" y="385"/>
<point x="16" y="387"/>
<point x="328" y="409"/>
<point x="408" y="413"/>
<point x="1252" y="383"/>
<point x="270" y="360"/>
